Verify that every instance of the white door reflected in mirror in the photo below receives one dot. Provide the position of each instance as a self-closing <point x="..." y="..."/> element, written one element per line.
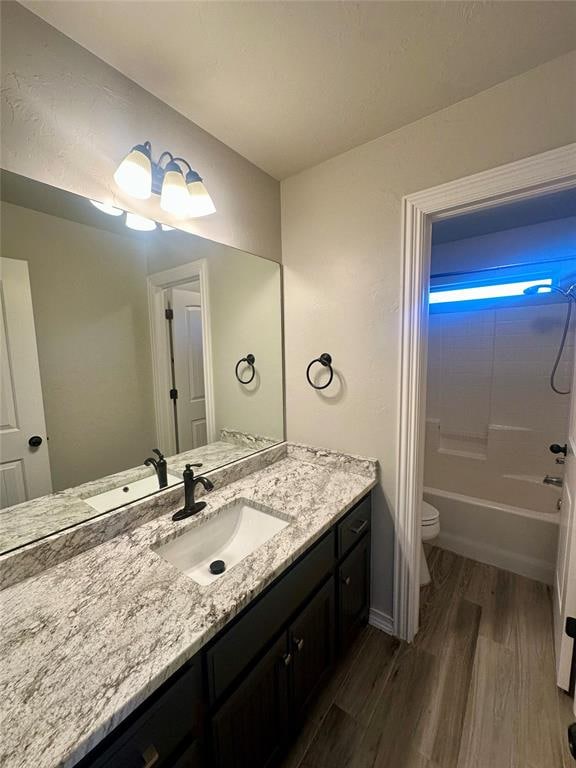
<point x="24" y="467"/>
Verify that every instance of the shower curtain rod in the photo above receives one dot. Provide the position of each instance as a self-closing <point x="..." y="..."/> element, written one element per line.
<point x="501" y="266"/>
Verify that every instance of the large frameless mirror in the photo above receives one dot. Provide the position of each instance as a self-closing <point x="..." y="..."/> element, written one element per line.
<point x="116" y="342"/>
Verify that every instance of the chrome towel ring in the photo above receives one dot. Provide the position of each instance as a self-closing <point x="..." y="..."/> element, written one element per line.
<point x="326" y="360"/>
<point x="249" y="360"/>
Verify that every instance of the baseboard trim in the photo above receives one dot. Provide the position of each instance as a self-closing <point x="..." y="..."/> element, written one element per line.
<point x="382" y="621"/>
<point x="539" y="570"/>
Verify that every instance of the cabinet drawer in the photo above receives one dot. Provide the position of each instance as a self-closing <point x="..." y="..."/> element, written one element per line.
<point x="153" y="738"/>
<point x="244" y="640"/>
<point x="354" y="526"/>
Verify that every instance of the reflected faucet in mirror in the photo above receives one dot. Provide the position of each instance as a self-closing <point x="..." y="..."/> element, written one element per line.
<point x="160" y="467"/>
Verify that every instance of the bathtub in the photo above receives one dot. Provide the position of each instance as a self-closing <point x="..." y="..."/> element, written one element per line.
<point x="519" y="540"/>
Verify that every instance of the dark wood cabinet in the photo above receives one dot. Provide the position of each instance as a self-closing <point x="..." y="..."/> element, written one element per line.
<point x="237" y="703"/>
<point x="192" y="757"/>
<point x="249" y="729"/>
<point x="170" y="720"/>
<point x="353" y="592"/>
<point x="311" y="642"/>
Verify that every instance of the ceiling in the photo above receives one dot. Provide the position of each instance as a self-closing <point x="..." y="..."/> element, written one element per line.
<point x="522" y="213"/>
<point x="290" y="84"/>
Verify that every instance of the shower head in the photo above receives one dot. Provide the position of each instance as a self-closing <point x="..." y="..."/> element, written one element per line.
<point x="570" y="295"/>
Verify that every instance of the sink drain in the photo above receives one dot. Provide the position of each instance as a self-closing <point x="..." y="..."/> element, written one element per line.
<point x="217" y="567"/>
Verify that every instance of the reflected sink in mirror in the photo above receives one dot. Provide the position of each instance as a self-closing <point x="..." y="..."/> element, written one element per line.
<point x="230" y="535"/>
<point x="126" y="494"/>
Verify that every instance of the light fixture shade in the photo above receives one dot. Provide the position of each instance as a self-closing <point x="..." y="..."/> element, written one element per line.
<point x="174" y="198"/>
<point x="200" y="201"/>
<point x="109" y="209"/>
<point x="141" y="223"/>
<point x="134" y="174"/>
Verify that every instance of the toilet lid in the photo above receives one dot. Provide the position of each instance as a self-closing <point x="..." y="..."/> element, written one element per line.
<point x="429" y="513"/>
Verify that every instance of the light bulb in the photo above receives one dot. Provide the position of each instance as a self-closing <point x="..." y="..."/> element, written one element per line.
<point x="109" y="209"/>
<point x="174" y="198"/>
<point x="200" y="201"/>
<point x="134" y="174"/>
<point x="140" y="223"/>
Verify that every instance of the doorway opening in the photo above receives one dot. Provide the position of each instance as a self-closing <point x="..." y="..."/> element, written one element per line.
<point x="499" y="379"/>
<point x="528" y="179"/>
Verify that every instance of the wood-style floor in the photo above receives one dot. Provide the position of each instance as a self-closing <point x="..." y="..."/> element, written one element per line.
<point x="475" y="690"/>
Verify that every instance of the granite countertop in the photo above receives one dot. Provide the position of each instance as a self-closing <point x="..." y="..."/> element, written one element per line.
<point x="85" y="642"/>
<point x="32" y="520"/>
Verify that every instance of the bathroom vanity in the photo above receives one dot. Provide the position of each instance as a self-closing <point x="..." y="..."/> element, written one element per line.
<point x="124" y="660"/>
<point x="238" y="701"/>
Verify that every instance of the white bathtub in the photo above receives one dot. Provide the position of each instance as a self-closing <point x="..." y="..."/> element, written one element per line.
<point x="516" y="539"/>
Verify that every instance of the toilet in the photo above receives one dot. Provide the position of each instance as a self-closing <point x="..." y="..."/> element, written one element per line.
<point x="430" y="529"/>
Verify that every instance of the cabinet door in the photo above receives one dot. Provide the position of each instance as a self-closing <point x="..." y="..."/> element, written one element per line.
<point x="311" y="639"/>
<point x="354" y="592"/>
<point x="248" y="730"/>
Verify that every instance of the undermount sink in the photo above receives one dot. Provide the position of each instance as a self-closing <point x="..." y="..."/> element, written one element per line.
<point x="125" y="494"/>
<point x="229" y="535"/>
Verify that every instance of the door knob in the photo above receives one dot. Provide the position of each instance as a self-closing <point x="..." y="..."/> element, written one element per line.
<point x="35" y="441"/>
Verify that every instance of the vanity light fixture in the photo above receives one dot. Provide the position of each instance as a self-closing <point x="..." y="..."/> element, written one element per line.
<point x="182" y="196"/>
<point x="105" y="208"/>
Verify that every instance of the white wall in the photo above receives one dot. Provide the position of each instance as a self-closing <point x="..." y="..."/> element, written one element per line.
<point x="68" y="119"/>
<point x="341" y="227"/>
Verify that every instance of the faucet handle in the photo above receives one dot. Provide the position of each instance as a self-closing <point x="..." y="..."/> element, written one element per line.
<point x="158" y="453"/>
<point x="189" y="472"/>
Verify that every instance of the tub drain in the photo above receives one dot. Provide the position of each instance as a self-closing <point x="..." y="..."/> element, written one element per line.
<point x="217" y="567"/>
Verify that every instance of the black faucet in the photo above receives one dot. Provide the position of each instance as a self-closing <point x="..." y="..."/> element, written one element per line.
<point x="192" y="507"/>
<point x="160" y="467"/>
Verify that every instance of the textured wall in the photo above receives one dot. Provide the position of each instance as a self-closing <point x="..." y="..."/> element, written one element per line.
<point x="341" y="230"/>
<point x="68" y="119"/>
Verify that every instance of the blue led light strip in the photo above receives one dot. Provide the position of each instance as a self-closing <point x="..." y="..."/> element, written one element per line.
<point x="495" y="291"/>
